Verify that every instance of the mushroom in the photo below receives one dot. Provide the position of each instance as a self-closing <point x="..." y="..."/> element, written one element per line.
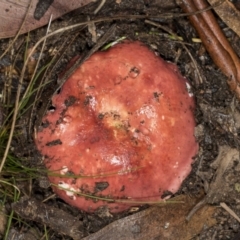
<point x="121" y="131"/>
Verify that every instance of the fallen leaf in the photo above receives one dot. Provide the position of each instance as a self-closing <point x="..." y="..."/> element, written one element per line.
<point x="162" y="222"/>
<point x="228" y="167"/>
<point x="13" y="13"/>
<point x="228" y="13"/>
<point x="222" y="187"/>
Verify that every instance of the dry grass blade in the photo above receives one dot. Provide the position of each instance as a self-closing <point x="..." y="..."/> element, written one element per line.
<point x="18" y="104"/>
<point x="127" y="200"/>
<point x="50" y="69"/>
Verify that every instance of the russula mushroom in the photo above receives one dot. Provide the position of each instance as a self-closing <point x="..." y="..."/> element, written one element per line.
<point x="121" y="132"/>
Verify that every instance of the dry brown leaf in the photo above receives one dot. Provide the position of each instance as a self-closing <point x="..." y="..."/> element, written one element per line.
<point x="31" y="65"/>
<point x="225" y="178"/>
<point x="13" y="13"/>
<point x="228" y="13"/>
<point x="164" y="222"/>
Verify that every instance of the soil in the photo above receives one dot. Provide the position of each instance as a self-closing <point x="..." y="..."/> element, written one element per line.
<point x="217" y="117"/>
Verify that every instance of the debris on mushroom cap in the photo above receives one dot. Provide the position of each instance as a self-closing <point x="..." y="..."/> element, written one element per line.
<point x="122" y="131"/>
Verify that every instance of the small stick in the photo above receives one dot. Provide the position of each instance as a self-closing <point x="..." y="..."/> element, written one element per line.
<point x="230" y="211"/>
<point x="57" y="219"/>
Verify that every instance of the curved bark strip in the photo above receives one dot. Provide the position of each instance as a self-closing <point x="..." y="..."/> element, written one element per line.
<point x="214" y="41"/>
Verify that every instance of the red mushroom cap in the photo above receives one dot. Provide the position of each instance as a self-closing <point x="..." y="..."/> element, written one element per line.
<point x="122" y="130"/>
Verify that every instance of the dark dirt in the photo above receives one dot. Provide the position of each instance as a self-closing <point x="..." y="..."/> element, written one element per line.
<point x="217" y="112"/>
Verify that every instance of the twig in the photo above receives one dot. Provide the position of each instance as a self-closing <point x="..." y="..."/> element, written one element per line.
<point x="230" y="211"/>
<point x="198" y="206"/>
<point x="99" y="6"/>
